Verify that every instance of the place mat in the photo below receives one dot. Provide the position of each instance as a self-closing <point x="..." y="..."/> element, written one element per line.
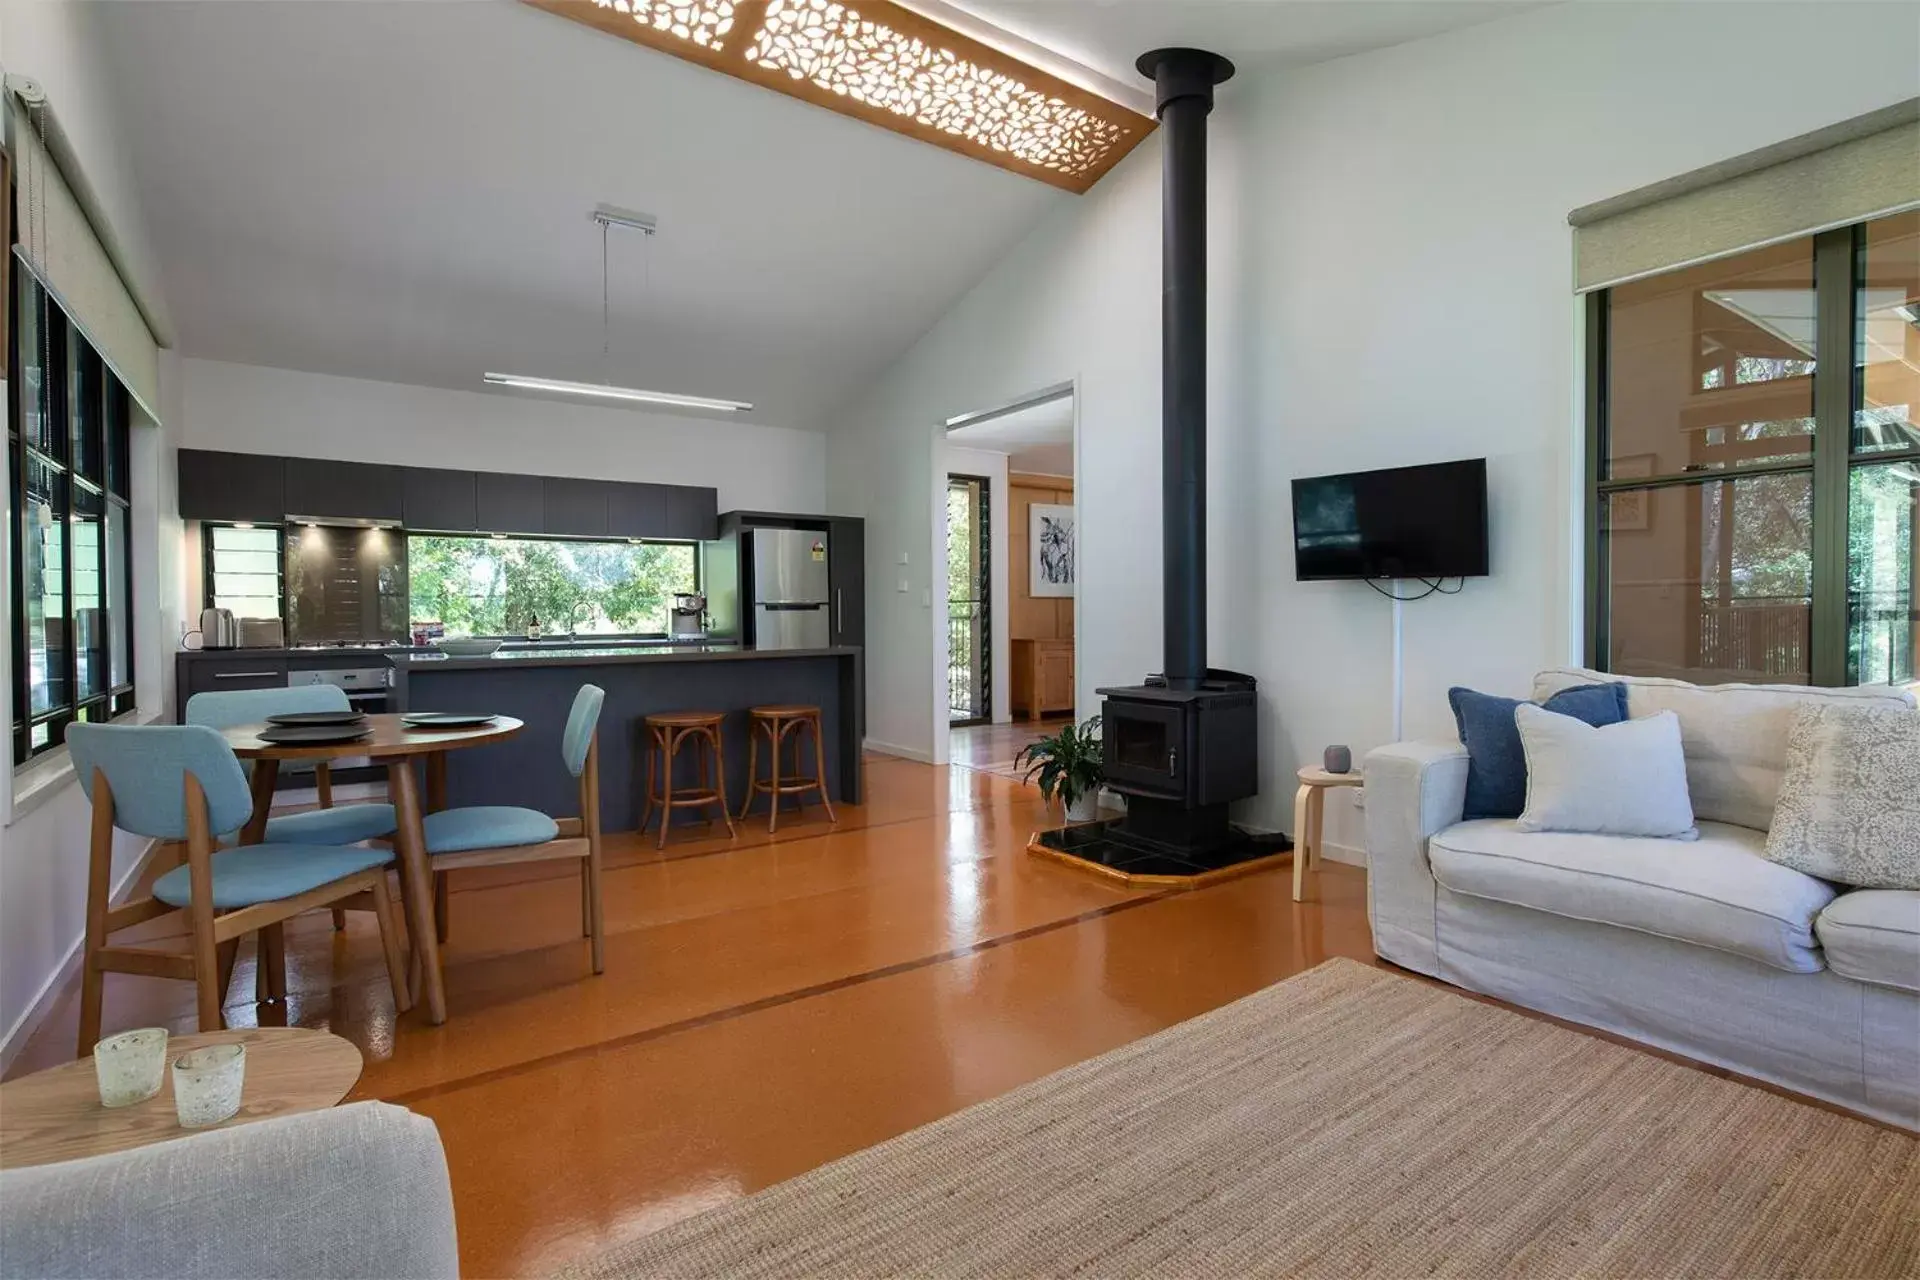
<point x="294" y="718"/>
<point x="313" y="735"/>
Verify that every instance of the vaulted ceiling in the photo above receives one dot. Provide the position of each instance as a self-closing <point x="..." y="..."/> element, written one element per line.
<point x="401" y="191"/>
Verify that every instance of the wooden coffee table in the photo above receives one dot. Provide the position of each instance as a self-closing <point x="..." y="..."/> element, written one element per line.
<point x="56" y="1114"/>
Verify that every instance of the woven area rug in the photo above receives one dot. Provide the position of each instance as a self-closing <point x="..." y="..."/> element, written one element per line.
<point x="1347" y="1122"/>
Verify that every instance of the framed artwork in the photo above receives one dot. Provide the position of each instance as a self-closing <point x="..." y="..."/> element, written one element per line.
<point x="1050" y="546"/>
<point x="1630" y="512"/>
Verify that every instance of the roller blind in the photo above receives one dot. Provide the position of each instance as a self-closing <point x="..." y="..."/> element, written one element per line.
<point x="58" y="244"/>
<point x="1842" y="174"/>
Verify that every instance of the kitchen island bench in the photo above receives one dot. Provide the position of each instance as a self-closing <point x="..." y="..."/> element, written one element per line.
<point x="537" y="686"/>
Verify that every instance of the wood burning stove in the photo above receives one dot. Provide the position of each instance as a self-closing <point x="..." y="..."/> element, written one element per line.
<point x="1184" y="745"/>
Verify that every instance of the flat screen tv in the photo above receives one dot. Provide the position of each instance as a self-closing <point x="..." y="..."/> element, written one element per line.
<point x="1405" y="522"/>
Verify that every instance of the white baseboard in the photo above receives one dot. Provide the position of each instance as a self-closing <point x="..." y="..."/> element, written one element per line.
<point x="1344" y="853"/>
<point x="43" y="1000"/>
<point x="895" y="749"/>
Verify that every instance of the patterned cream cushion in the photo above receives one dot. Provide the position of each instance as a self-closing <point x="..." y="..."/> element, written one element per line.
<point x="1735" y="735"/>
<point x="1849" y="806"/>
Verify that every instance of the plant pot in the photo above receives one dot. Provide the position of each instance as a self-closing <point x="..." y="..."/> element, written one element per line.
<point x="1085" y="808"/>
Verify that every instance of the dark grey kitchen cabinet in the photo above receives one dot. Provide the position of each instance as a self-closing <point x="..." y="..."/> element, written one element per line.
<point x="439" y="501"/>
<point x="847" y="579"/>
<point x="574" y="508"/>
<point x="637" y="510"/>
<point x="329" y="489"/>
<point x="693" y="513"/>
<point x="232" y="486"/>
<point x="508" y="503"/>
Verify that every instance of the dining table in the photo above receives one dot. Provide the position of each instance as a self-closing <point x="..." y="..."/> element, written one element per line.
<point x="389" y="740"/>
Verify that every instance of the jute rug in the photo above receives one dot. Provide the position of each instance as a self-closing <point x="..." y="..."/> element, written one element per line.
<point x="1348" y="1122"/>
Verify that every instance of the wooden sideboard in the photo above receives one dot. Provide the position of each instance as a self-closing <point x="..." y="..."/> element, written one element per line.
<point x="1042" y="677"/>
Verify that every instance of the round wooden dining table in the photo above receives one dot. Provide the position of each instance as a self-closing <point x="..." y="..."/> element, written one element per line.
<point x="397" y="745"/>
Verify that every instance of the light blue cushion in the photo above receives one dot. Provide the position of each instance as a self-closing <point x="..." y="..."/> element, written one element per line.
<point x="146" y="767"/>
<point x="487" y="827"/>
<point x="227" y="708"/>
<point x="348" y="824"/>
<point x="581" y="721"/>
<point x="268" y="872"/>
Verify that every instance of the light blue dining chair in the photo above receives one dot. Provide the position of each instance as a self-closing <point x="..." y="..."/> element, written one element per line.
<point x="494" y="835"/>
<point x="180" y="784"/>
<point x="347" y="824"/>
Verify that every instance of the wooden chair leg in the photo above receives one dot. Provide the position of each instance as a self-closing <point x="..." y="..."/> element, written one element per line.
<point x="226" y="956"/>
<point x="820" y="767"/>
<point x="649" y="750"/>
<point x="99" y="878"/>
<point x="720" y="780"/>
<point x="1302" y="840"/>
<point x="596" y="921"/>
<point x="92" y="998"/>
<point x="669" y="741"/>
<point x="442" y="908"/>
<point x="390" y="942"/>
<point x="753" y="768"/>
<point x="777" y="736"/>
<point x="586" y="900"/>
<point x="273" y="960"/>
<point x="339" y="920"/>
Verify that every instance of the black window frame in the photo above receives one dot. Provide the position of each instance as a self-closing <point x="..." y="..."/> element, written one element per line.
<point x="548" y="628"/>
<point x="207" y="593"/>
<point x="108" y="406"/>
<point x="1838" y="264"/>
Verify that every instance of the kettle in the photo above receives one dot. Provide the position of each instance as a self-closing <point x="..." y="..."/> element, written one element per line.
<point x="218" y="630"/>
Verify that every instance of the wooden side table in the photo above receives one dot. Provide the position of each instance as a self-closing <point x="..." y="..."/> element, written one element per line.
<point x="1309" y="814"/>
<point x="56" y="1114"/>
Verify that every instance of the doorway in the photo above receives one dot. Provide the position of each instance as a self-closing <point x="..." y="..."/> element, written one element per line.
<point x="969" y="600"/>
<point x="1004" y="493"/>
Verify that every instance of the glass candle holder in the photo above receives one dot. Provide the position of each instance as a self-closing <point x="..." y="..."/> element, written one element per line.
<point x="131" y="1066"/>
<point x="206" y="1084"/>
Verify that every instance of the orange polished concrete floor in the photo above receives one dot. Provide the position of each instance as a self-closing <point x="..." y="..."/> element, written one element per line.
<point x="767" y="1006"/>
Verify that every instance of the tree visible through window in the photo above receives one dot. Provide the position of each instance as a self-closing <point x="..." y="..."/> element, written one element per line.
<point x="497" y="586"/>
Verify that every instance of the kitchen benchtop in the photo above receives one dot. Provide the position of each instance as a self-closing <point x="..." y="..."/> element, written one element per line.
<point x="511" y="659"/>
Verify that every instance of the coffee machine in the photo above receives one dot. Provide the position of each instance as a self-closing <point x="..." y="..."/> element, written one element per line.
<point x="688" y="617"/>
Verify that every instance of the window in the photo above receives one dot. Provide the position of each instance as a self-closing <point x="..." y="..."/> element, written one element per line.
<point x="68" y="462"/>
<point x="496" y="586"/>
<point x="1756" y="464"/>
<point x="242" y="570"/>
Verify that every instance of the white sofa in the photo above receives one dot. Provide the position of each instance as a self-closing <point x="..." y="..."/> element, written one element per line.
<point x="1705" y="949"/>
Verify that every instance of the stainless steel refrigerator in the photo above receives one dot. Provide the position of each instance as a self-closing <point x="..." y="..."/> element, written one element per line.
<point x="790" y="591"/>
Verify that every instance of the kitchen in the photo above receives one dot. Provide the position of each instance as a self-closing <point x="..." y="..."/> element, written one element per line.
<point x="647" y="590"/>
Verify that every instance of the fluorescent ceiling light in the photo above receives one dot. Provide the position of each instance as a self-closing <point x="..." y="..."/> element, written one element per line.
<point x="606" y="391"/>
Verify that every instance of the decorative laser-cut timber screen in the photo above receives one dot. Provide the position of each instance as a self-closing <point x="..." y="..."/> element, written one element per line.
<point x="889" y="66"/>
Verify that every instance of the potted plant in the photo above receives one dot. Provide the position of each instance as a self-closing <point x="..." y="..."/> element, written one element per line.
<point x="1067" y="768"/>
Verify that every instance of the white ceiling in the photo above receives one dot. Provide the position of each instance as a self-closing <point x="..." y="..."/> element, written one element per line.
<point x="1038" y="438"/>
<point x="1108" y="35"/>
<point x="399" y="191"/>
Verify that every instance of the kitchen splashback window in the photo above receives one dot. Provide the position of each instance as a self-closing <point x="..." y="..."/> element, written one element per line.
<point x="487" y="586"/>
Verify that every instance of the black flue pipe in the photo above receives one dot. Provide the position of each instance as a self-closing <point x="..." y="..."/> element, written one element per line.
<point x="1184" y="80"/>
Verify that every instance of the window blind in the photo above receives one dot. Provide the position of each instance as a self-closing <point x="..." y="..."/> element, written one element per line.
<point x="1845" y="173"/>
<point x="59" y="245"/>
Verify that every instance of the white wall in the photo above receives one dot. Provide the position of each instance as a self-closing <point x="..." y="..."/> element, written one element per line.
<point x="985" y="462"/>
<point x="43" y="844"/>
<point x="1390" y="269"/>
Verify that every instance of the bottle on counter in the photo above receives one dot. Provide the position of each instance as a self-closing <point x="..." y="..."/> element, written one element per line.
<point x="533" y="627"/>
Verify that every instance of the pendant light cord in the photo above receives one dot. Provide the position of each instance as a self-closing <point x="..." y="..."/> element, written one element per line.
<point x="606" y="315"/>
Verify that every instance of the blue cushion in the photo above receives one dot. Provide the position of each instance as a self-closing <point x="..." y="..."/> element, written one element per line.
<point x="347" y="824"/>
<point x="487" y="827"/>
<point x="1496" y="762"/>
<point x="268" y="872"/>
<point x="146" y="768"/>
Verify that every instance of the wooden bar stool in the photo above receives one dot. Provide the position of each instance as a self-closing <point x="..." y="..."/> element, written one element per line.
<point x="666" y="732"/>
<point x="774" y="724"/>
